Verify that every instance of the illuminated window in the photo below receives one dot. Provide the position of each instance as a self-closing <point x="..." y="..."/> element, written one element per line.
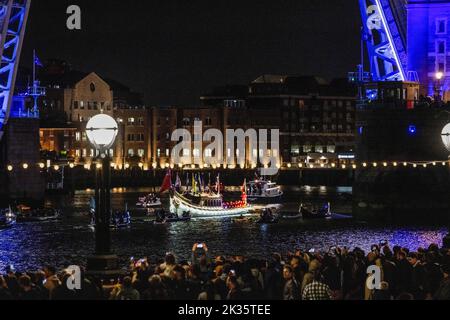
<point x="77" y="136"/>
<point x="131" y="152"/>
<point x="84" y="153"/>
<point x="111" y="152"/>
<point x="167" y="152"/>
<point x="208" y="153"/>
<point x="130" y="121"/>
<point x="77" y="153"/>
<point x="141" y="152"/>
<point x="91" y="152"/>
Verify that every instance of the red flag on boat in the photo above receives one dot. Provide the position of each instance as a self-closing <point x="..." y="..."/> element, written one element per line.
<point x="244" y="192"/>
<point x="167" y="182"/>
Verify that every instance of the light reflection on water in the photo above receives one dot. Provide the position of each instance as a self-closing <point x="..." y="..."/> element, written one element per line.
<point x="69" y="241"/>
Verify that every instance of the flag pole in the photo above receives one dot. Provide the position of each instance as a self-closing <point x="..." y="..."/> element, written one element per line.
<point x="34" y="65"/>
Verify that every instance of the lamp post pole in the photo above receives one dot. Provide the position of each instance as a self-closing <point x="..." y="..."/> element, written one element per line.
<point x="102" y="131"/>
<point x="437" y="88"/>
<point x="103" y="207"/>
<point x="445" y="135"/>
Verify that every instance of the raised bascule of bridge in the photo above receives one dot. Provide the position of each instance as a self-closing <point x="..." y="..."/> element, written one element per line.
<point x="408" y="40"/>
<point x="13" y="20"/>
<point x="17" y="123"/>
<point x="407" y="45"/>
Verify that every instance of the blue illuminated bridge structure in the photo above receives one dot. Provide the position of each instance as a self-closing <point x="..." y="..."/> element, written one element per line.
<point x="384" y="31"/>
<point x="408" y="40"/>
<point x="13" y="19"/>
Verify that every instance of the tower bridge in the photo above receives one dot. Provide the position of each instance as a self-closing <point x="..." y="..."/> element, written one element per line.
<point x="407" y="44"/>
<point x="408" y="40"/>
<point x="13" y="19"/>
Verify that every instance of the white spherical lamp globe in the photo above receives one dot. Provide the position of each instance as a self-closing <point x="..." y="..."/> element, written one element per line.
<point x="101" y="131"/>
<point x="445" y="135"/>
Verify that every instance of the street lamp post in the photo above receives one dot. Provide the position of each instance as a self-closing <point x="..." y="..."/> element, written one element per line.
<point x="101" y="131"/>
<point x="437" y="88"/>
<point x="445" y="135"/>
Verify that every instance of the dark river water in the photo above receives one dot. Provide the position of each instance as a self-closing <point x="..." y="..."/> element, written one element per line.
<point x="29" y="246"/>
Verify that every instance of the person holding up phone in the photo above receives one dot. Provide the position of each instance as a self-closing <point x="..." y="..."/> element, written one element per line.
<point x="200" y="255"/>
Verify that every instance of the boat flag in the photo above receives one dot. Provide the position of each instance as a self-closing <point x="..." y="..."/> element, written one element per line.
<point x="194" y="187"/>
<point x="199" y="183"/>
<point x="244" y="192"/>
<point x="218" y="183"/>
<point x="178" y="183"/>
<point x="187" y="180"/>
<point x="209" y="182"/>
<point x="167" y="182"/>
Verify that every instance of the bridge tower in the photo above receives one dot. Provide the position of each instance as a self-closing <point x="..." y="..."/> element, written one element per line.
<point x="13" y="19"/>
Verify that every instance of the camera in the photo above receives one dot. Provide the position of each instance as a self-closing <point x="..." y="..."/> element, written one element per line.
<point x="383" y="243"/>
<point x="200" y="245"/>
<point x="312" y="250"/>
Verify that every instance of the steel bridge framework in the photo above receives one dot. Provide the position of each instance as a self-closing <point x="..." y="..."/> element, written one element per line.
<point x="384" y="33"/>
<point x="13" y="20"/>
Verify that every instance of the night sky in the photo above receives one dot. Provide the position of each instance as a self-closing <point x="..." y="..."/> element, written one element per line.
<point x="173" y="51"/>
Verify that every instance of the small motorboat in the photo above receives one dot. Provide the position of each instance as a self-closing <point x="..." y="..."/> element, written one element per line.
<point x="162" y="217"/>
<point x="310" y="211"/>
<point x="149" y="201"/>
<point x="119" y="220"/>
<point x="27" y="214"/>
<point x="7" y="218"/>
<point x="290" y="215"/>
<point x="242" y="219"/>
<point x="268" y="216"/>
<point x="263" y="191"/>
